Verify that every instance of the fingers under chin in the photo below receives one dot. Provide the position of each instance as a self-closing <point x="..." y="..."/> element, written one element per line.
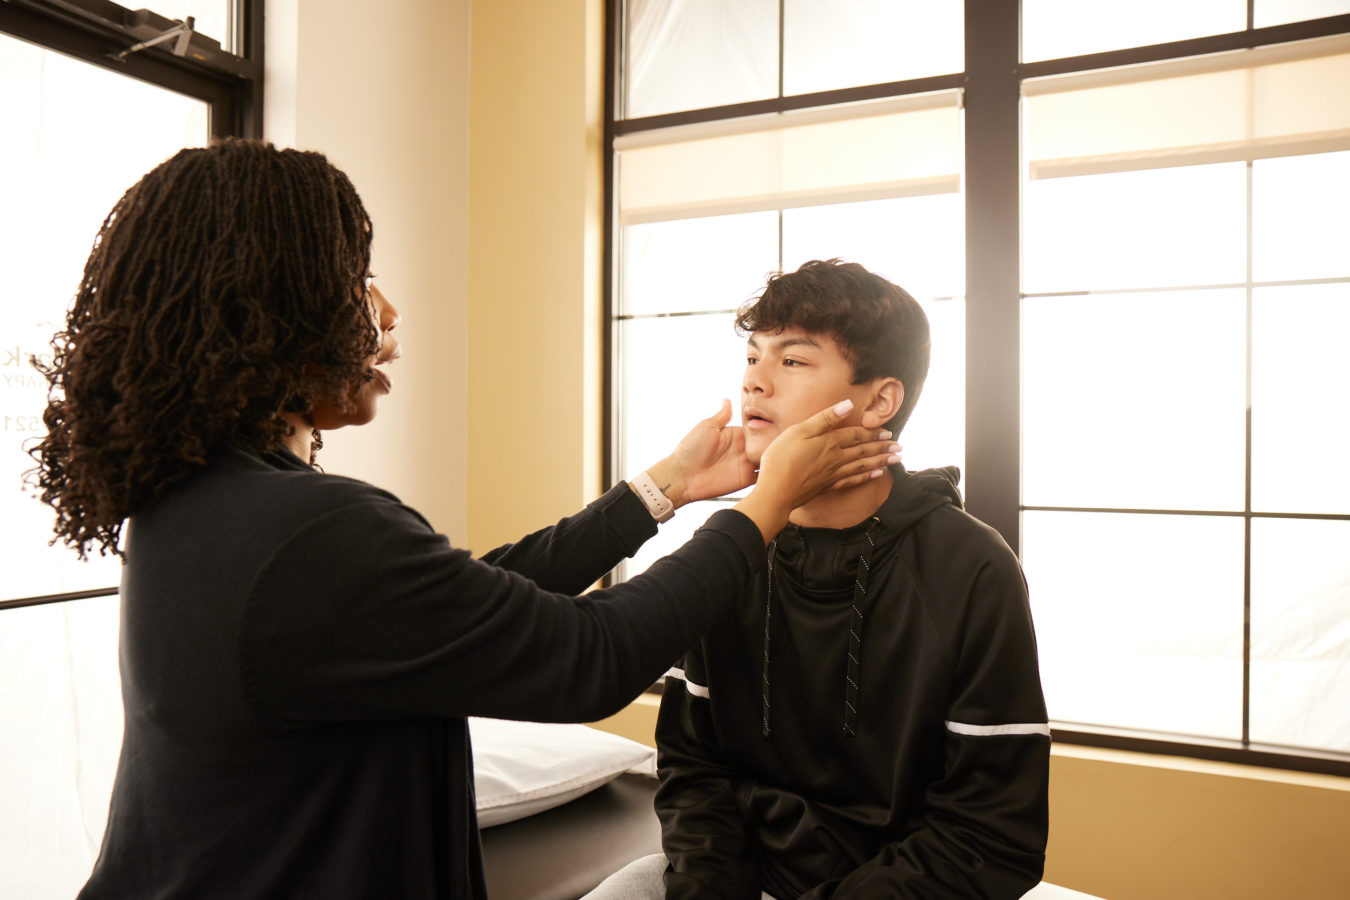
<point x="854" y="480"/>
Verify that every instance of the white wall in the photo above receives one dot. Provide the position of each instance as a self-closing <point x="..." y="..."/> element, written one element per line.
<point x="382" y="89"/>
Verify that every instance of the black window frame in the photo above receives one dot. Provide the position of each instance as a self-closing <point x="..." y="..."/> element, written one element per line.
<point x="94" y="31"/>
<point x="91" y="31"/>
<point x="991" y="85"/>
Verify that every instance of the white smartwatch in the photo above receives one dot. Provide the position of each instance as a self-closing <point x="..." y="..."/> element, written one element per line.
<point x="657" y="503"/>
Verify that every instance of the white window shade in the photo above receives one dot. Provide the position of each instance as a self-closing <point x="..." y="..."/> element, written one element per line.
<point x="1273" y="101"/>
<point x="690" y="54"/>
<point x="894" y="148"/>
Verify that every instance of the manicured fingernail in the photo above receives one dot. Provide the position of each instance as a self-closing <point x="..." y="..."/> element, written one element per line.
<point x="893" y="459"/>
<point x="842" y="407"/>
<point x="876" y="473"/>
<point x="884" y="435"/>
<point x="894" y="448"/>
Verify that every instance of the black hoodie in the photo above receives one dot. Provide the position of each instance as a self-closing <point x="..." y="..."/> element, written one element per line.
<point x="869" y="723"/>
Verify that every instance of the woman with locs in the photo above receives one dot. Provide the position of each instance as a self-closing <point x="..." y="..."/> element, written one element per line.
<point x="299" y="651"/>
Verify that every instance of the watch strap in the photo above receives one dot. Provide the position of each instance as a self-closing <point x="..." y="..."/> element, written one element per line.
<point x="657" y="503"/>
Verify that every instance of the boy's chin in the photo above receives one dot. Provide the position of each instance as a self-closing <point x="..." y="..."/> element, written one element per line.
<point x="754" y="451"/>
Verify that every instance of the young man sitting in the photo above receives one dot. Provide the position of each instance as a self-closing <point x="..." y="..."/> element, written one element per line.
<point x="870" y="722"/>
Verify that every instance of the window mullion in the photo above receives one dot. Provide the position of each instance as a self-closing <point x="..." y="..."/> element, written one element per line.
<point x="993" y="276"/>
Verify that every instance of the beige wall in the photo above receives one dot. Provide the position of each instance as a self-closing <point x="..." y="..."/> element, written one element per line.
<point x="472" y="129"/>
<point x="534" y="263"/>
<point x="382" y="89"/>
<point x="1136" y="827"/>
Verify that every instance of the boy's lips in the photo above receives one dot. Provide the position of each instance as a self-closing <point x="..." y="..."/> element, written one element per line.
<point x="755" y="418"/>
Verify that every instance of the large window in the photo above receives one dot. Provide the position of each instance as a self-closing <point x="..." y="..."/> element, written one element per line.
<point x="80" y="127"/>
<point x="1127" y="228"/>
<point x="1179" y="388"/>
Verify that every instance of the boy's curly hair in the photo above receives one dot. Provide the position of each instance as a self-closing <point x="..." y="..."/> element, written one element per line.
<point x="226" y="287"/>
<point x="879" y="327"/>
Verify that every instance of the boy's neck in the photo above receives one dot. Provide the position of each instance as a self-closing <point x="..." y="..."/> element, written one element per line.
<point x="845" y="508"/>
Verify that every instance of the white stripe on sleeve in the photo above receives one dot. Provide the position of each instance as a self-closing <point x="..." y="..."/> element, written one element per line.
<point x="697" y="690"/>
<point x="988" y="730"/>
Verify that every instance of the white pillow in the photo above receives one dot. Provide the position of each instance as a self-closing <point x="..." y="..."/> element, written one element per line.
<point x="521" y="768"/>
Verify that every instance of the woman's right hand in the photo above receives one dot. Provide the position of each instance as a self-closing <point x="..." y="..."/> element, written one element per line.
<point x="811" y="457"/>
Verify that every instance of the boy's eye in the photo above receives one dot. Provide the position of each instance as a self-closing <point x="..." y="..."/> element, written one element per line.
<point x="750" y="360"/>
<point x="793" y="362"/>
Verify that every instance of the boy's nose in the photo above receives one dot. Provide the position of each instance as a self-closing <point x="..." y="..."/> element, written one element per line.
<point x="754" y="382"/>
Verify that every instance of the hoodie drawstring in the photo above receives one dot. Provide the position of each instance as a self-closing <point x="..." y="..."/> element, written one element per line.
<point x="768" y="607"/>
<point x="852" y="674"/>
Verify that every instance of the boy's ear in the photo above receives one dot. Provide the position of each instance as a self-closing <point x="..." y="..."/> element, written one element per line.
<point x="887" y="395"/>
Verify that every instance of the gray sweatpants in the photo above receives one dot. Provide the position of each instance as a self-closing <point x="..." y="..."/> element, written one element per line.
<point x="641" y="879"/>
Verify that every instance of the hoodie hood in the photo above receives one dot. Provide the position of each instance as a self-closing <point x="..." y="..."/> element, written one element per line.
<point x="829" y="567"/>
<point x="916" y="494"/>
<point x="822" y="561"/>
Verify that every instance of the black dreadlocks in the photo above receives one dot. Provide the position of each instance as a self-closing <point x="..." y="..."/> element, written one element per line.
<point x="225" y="288"/>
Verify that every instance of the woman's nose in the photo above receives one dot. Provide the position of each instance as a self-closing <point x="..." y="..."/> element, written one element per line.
<point x="387" y="312"/>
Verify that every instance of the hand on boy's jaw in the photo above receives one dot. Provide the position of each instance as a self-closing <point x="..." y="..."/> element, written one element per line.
<point x="711" y="460"/>
<point x="708" y="462"/>
<point x="815" y="457"/>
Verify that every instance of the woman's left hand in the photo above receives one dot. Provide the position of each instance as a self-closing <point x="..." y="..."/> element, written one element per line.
<point x="709" y="462"/>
